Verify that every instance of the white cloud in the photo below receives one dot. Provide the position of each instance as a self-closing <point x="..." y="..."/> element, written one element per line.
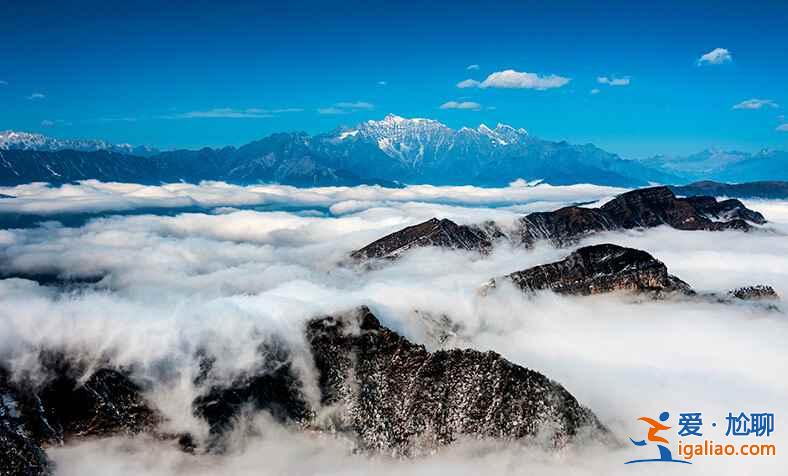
<point x="346" y="108"/>
<point x="716" y="56"/>
<point x="382" y="83"/>
<point x="355" y="105"/>
<point x="782" y="128"/>
<point x="595" y="91"/>
<point x="232" y="113"/>
<point x="92" y="196"/>
<point x="756" y="104"/>
<point x="223" y="282"/>
<point x="473" y="106"/>
<point x="613" y="81"/>
<point x="468" y="83"/>
<point x="36" y="96"/>
<point x="472" y="67"/>
<point x="511" y="79"/>
<point x="331" y="110"/>
<point x="56" y="122"/>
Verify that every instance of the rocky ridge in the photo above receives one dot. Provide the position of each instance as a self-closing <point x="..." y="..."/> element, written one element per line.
<point x="641" y="208"/>
<point x="390" y="395"/>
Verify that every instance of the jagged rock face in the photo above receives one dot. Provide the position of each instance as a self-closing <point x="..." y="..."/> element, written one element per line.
<point x="600" y="269"/>
<point x="725" y="210"/>
<point x="398" y="398"/>
<point x="20" y="452"/>
<point x="642" y="208"/>
<point x="63" y="408"/>
<point x="442" y="233"/>
<point x="562" y="226"/>
<point x="650" y="207"/>
<point x="273" y="387"/>
<point x="756" y="292"/>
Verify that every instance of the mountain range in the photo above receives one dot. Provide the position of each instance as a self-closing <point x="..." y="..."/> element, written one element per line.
<point x="391" y="151"/>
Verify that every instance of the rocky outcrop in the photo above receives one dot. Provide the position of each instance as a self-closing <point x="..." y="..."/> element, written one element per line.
<point x="599" y="269"/>
<point x="757" y="292"/>
<point x="272" y="387"/>
<point x="395" y="397"/>
<point x="434" y="232"/>
<point x="642" y="208"/>
<point x="392" y="396"/>
<point x="399" y="398"/>
<point x="68" y="405"/>
<point x="20" y="452"/>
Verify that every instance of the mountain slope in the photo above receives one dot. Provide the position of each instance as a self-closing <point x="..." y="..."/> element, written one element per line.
<point x="392" y="150"/>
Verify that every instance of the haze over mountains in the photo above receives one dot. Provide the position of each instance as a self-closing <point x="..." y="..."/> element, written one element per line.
<point x="390" y="151"/>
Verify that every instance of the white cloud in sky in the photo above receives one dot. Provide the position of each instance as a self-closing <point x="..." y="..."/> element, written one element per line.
<point x="36" y="96"/>
<point x="468" y="83"/>
<point x="355" y="105"/>
<point x="716" y="56"/>
<point x="613" y="81"/>
<point x="468" y="105"/>
<point x="595" y="91"/>
<point x="346" y="107"/>
<point x="55" y="122"/>
<point x="782" y="128"/>
<point x="232" y="113"/>
<point x="756" y="104"/>
<point x="511" y="79"/>
<point x="382" y="83"/>
<point x="472" y="67"/>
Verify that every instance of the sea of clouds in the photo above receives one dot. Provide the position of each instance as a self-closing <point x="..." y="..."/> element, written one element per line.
<point x="244" y="264"/>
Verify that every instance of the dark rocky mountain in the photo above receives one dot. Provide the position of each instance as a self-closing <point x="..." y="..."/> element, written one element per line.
<point x="62" y="408"/>
<point x="398" y="397"/>
<point x="641" y="208"/>
<point x="757" y="292"/>
<point x="390" y="151"/>
<point x="389" y="394"/>
<point x="599" y="269"/>
<point x="442" y="233"/>
<point x="769" y="190"/>
<point x="606" y="268"/>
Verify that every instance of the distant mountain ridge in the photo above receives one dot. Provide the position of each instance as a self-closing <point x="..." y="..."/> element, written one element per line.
<point x="724" y="166"/>
<point x="764" y="189"/>
<point x="391" y="151"/>
<point x="13" y="140"/>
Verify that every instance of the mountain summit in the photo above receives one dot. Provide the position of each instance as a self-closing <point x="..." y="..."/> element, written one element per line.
<point x="388" y="151"/>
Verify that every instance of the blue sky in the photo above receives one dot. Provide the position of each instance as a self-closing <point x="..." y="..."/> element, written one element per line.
<point x="194" y="73"/>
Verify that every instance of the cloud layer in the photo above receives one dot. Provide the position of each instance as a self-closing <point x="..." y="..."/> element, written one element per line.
<point x="227" y="279"/>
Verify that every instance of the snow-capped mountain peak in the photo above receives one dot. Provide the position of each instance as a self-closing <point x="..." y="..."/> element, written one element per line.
<point x="17" y="140"/>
